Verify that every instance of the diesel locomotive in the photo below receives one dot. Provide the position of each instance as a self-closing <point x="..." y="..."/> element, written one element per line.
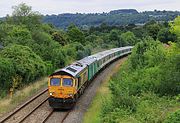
<point x="67" y="84"/>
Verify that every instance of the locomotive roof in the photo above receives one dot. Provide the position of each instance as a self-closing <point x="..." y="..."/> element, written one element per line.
<point x="78" y="66"/>
<point x="73" y="69"/>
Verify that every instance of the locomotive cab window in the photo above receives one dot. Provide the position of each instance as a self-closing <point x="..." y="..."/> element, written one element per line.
<point x="55" y="82"/>
<point x="67" y="82"/>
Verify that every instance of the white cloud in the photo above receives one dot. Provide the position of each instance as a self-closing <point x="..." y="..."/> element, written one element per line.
<point x="88" y="6"/>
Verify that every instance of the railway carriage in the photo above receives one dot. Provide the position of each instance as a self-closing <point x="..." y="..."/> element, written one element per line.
<point x="67" y="84"/>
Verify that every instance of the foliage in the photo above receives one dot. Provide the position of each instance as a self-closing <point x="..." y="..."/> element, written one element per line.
<point x="47" y="48"/>
<point x="119" y="17"/>
<point x="57" y="36"/>
<point x="33" y="49"/>
<point x="176" y="26"/>
<point x="149" y="108"/>
<point x="26" y="63"/>
<point x="7" y="71"/>
<point x="164" y="35"/>
<point x="173" y="117"/>
<point x="114" y="36"/>
<point x="23" y="14"/>
<point x="147" y="53"/>
<point x="75" y="35"/>
<point x="15" y="35"/>
<point x="147" y="87"/>
<point x="77" y="51"/>
<point x="127" y="38"/>
<point x="146" y="70"/>
<point x="170" y="79"/>
<point x="153" y="30"/>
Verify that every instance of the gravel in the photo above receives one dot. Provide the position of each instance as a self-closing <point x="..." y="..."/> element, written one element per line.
<point x="20" y="114"/>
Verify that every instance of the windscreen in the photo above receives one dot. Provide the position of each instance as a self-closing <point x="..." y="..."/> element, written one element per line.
<point x="67" y="82"/>
<point x="55" y="82"/>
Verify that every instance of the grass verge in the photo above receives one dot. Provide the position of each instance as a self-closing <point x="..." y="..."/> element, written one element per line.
<point x="7" y="103"/>
<point x="93" y="113"/>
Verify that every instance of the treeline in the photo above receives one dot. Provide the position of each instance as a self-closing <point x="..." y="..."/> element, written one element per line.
<point x="113" y="18"/>
<point x="30" y="49"/>
<point x="147" y="88"/>
<point x="118" y="36"/>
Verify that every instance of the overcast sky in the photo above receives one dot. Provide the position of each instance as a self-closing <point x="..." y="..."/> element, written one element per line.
<point x="88" y="6"/>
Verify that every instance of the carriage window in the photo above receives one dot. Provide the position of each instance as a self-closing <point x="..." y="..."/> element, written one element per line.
<point x="55" y="82"/>
<point x="67" y="82"/>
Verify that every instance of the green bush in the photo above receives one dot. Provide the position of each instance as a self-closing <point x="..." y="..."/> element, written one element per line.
<point x="77" y="50"/>
<point x="7" y="72"/>
<point x="147" y="53"/>
<point x="15" y="34"/>
<point x="48" y="49"/>
<point x="170" y="76"/>
<point x="141" y="89"/>
<point x="173" y="117"/>
<point x="27" y="64"/>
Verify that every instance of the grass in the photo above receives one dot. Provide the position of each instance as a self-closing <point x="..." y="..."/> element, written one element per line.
<point x="149" y="109"/>
<point x="93" y="113"/>
<point x="8" y="103"/>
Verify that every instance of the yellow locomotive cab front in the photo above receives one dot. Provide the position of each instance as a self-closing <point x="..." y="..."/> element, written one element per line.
<point x="61" y="86"/>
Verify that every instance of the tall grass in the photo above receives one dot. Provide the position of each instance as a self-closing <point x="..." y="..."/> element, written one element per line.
<point x="8" y="103"/>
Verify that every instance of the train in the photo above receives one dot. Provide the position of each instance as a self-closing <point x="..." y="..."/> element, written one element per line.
<point x="66" y="85"/>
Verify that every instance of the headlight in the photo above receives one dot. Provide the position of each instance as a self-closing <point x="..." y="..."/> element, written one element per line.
<point x="70" y="95"/>
<point x="50" y="93"/>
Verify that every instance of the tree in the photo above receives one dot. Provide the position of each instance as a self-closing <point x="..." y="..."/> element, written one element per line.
<point x="153" y="30"/>
<point x="147" y="53"/>
<point x="127" y="38"/>
<point x="23" y="14"/>
<point x="27" y="64"/>
<point x="7" y="72"/>
<point x="75" y="35"/>
<point x="57" y="36"/>
<point x="175" y="28"/>
<point x="164" y="35"/>
<point x="22" y="10"/>
<point x="114" y="35"/>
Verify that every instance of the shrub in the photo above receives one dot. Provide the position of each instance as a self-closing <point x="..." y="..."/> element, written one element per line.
<point x="48" y="49"/>
<point x="27" y="64"/>
<point x="147" y="53"/>
<point x="170" y="79"/>
<point x="149" y="74"/>
<point x="173" y="117"/>
<point x="7" y="72"/>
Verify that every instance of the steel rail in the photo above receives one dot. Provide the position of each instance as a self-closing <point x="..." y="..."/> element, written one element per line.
<point x="22" y="106"/>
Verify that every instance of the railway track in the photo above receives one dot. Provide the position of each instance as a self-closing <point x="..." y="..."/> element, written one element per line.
<point x="14" y="116"/>
<point x="49" y="115"/>
<point x="56" y="116"/>
<point x="64" y="118"/>
<point x="37" y="108"/>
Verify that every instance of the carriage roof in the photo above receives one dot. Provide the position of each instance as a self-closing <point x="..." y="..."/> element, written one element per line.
<point x="78" y="66"/>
